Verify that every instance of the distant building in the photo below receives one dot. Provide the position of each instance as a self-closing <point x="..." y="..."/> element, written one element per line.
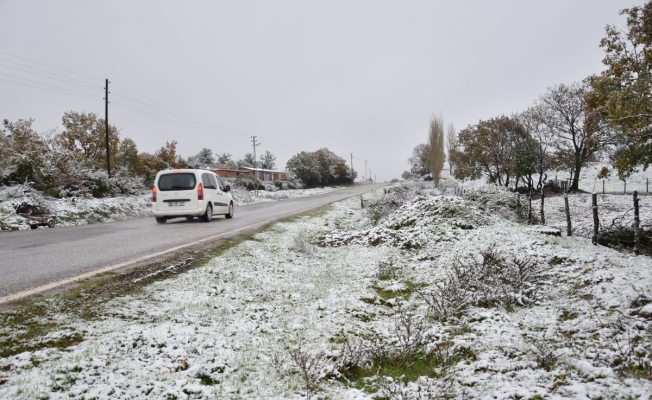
<point x="245" y="172"/>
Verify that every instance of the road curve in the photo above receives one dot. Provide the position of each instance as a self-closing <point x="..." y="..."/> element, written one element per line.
<point x="35" y="261"/>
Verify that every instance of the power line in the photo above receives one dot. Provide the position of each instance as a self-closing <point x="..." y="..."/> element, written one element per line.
<point x="49" y="77"/>
<point x="195" y="120"/>
<point x="155" y="116"/>
<point x="177" y="115"/>
<point x="60" y="69"/>
<point x="179" y="111"/>
<point x="45" y="84"/>
<point x="50" y="90"/>
<point x="42" y="70"/>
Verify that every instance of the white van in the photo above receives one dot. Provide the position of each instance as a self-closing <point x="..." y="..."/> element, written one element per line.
<point x="190" y="193"/>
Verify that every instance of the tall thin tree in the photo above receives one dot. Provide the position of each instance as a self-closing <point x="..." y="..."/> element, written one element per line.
<point x="436" y="145"/>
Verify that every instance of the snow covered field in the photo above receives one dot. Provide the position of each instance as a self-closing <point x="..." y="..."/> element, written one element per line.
<point x="81" y="211"/>
<point x="443" y="297"/>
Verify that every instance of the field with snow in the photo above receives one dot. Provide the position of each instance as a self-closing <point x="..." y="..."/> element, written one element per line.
<point x="411" y="293"/>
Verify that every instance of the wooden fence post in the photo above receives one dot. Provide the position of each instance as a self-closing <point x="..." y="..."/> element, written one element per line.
<point x="624" y="187"/>
<point x="543" y="216"/>
<point x="637" y="226"/>
<point x="569" y="229"/>
<point x="603" y="186"/>
<point x="596" y="221"/>
<point x="529" y="210"/>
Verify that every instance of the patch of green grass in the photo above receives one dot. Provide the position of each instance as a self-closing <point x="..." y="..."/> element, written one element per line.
<point x="568" y="315"/>
<point x="407" y="367"/>
<point x="386" y="295"/>
<point x="206" y="380"/>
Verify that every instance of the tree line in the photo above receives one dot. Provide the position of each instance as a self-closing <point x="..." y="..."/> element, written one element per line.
<point x="608" y="113"/>
<point x="72" y="162"/>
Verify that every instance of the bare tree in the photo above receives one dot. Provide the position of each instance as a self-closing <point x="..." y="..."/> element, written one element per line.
<point x="542" y="148"/>
<point x="451" y="142"/>
<point x="436" y="143"/>
<point x="578" y="135"/>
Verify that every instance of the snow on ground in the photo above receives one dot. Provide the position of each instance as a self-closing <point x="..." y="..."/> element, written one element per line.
<point x="81" y="211"/>
<point x="493" y="311"/>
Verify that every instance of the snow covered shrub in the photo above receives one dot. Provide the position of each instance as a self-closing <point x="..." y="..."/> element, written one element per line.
<point x="392" y="199"/>
<point x="309" y="366"/>
<point x="505" y="280"/>
<point x="97" y="183"/>
<point x="300" y="244"/>
<point x="449" y="297"/>
<point x="123" y="184"/>
<point x="423" y="220"/>
<point x="387" y="270"/>
<point x="494" y="280"/>
<point x="496" y="199"/>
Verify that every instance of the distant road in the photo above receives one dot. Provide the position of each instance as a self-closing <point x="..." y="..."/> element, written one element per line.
<point x="38" y="260"/>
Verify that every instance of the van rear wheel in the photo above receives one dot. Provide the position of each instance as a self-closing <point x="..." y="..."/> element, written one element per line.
<point x="229" y="215"/>
<point x="208" y="215"/>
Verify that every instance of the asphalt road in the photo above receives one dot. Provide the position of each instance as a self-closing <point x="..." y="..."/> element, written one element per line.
<point x="43" y="259"/>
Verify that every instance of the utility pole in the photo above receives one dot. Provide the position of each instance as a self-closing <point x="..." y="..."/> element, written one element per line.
<point x="352" y="168"/>
<point x="106" y="127"/>
<point x="253" y="141"/>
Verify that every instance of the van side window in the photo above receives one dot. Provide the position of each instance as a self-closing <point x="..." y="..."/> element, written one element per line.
<point x="205" y="180"/>
<point x="221" y="183"/>
<point x="211" y="179"/>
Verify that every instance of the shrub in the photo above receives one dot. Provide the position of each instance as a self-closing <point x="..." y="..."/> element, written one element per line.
<point x="494" y="280"/>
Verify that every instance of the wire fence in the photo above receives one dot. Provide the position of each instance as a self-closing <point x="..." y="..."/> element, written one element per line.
<point x="615" y="220"/>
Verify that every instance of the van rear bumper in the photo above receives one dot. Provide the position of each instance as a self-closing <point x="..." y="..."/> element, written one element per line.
<point x="197" y="212"/>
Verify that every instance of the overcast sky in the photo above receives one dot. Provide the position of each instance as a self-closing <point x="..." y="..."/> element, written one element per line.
<point x="361" y="77"/>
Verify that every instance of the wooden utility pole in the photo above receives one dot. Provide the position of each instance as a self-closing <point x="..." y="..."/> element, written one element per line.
<point x="106" y="127"/>
<point x="351" y="168"/>
<point x="253" y="141"/>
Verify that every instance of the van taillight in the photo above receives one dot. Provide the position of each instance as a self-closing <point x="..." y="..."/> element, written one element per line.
<point x="200" y="192"/>
<point x="153" y="194"/>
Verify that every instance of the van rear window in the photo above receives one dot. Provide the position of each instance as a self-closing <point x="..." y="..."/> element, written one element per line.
<point x="176" y="182"/>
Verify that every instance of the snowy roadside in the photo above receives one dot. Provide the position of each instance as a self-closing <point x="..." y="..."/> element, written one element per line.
<point x="333" y="306"/>
<point x="82" y="211"/>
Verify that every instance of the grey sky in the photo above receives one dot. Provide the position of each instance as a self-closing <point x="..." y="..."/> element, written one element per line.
<point x="361" y="77"/>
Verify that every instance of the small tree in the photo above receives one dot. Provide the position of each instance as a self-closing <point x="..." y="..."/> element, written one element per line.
<point x="127" y="156"/>
<point x="436" y="144"/>
<point x="223" y="158"/>
<point x="268" y="160"/>
<point x="85" y="136"/>
<point x="248" y="161"/>
<point x="419" y="161"/>
<point x="203" y="159"/>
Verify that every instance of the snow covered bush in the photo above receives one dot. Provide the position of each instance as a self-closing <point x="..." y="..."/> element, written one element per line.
<point x="423" y="220"/>
<point x="393" y="198"/>
<point x="492" y="281"/>
<point x="496" y="199"/>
